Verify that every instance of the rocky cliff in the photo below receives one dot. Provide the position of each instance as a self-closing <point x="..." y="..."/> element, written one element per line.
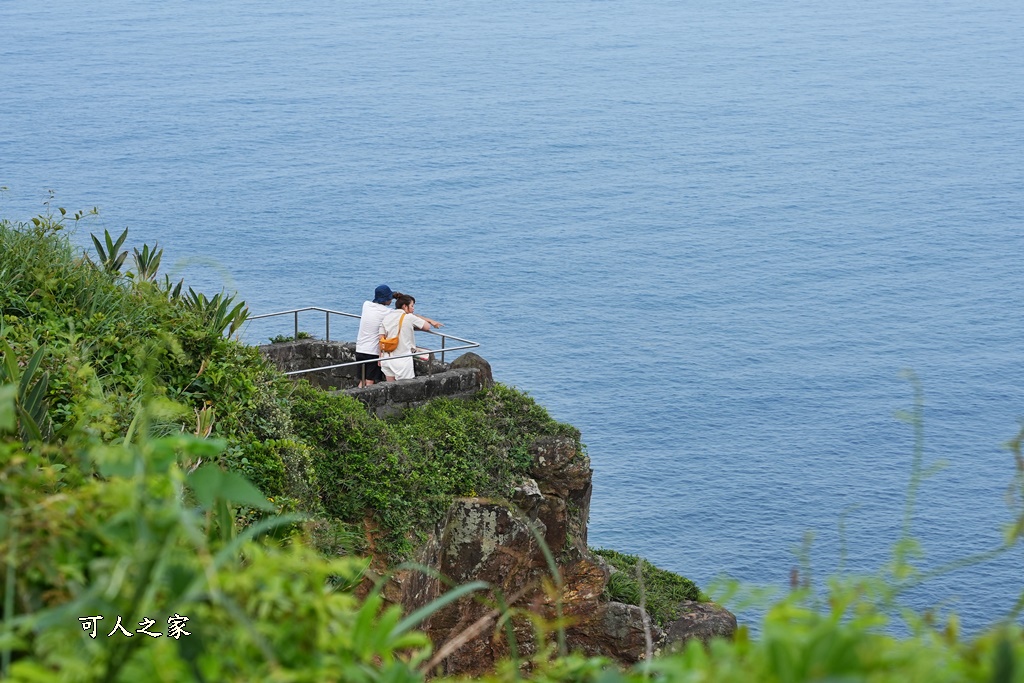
<point x="531" y="549"/>
<point x="499" y="542"/>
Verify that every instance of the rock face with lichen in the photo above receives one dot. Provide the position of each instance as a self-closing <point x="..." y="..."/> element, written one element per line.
<point x="498" y="542"/>
<point x="699" y="620"/>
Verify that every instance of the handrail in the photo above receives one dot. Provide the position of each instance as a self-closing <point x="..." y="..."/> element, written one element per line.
<point x="296" y="311"/>
<point x="467" y="343"/>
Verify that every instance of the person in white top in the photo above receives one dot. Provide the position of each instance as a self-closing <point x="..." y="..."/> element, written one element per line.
<point x="368" y="339"/>
<point x="402" y="322"/>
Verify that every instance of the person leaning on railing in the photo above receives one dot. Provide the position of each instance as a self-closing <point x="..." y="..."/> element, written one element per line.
<point x="368" y="339"/>
<point x="403" y="323"/>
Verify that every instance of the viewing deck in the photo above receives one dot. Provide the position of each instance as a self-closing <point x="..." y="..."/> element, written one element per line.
<point x="332" y="365"/>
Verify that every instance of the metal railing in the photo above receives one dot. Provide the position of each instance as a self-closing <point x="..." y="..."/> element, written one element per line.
<point x="467" y="344"/>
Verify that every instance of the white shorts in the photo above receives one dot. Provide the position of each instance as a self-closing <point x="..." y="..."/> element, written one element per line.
<point x="399" y="368"/>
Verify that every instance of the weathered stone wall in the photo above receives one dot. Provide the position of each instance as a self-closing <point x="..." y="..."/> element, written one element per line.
<point x="389" y="398"/>
<point x="305" y="354"/>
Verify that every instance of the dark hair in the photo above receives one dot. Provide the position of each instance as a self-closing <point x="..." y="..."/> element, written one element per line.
<point x="403" y="300"/>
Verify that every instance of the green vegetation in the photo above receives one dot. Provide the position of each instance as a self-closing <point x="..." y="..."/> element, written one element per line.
<point x="281" y="339"/>
<point x="405" y="472"/>
<point x="150" y="467"/>
<point x="661" y="590"/>
<point x="147" y="537"/>
<point x="99" y="339"/>
<point x="105" y="335"/>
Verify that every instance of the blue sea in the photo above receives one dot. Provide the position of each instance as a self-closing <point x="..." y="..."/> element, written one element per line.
<point x="712" y="235"/>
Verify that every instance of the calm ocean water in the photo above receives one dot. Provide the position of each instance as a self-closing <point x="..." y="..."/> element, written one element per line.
<point x="710" y="234"/>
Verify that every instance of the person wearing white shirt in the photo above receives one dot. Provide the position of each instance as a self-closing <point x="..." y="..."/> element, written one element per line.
<point x="368" y="339"/>
<point x="403" y="323"/>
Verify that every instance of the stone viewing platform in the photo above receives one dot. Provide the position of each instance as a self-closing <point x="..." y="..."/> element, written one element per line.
<point x="461" y="378"/>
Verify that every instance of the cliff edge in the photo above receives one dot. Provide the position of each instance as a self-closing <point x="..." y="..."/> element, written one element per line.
<point x="500" y="542"/>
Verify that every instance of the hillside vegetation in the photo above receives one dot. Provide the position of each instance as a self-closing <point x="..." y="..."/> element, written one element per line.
<point x="108" y="340"/>
<point x="152" y="470"/>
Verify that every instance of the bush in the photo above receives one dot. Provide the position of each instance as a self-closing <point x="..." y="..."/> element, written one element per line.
<point x="129" y="546"/>
<point x="662" y="590"/>
<point x="403" y="473"/>
<point x="281" y="338"/>
<point x="481" y="445"/>
<point x="260" y="463"/>
<point x="112" y="336"/>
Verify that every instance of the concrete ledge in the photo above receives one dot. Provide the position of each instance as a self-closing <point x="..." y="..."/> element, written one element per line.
<point x="391" y="398"/>
<point x="306" y="354"/>
<point x="433" y="379"/>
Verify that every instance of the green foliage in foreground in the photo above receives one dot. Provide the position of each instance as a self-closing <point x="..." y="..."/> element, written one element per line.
<point x="661" y="590"/>
<point x="147" y="540"/>
<point x="150" y="537"/>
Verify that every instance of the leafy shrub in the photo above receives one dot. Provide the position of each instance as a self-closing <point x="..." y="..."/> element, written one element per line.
<point x="662" y="590"/>
<point x="130" y="546"/>
<point x="483" y="444"/>
<point x="281" y="469"/>
<point x="111" y="335"/>
<point x="260" y="462"/>
<point x="251" y="395"/>
<point x="301" y="481"/>
<point x="359" y="469"/>
<point x="403" y="473"/>
<point x="282" y="338"/>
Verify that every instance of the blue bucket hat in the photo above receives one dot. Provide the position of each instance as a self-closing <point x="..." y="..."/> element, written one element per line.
<point x="382" y="295"/>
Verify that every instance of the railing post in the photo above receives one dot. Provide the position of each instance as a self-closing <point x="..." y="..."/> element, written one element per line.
<point x="296" y="337"/>
<point x="443" y="338"/>
<point x="327" y="317"/>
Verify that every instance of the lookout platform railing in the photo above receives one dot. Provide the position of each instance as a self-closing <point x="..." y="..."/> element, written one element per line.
<point x="463" y="344"/>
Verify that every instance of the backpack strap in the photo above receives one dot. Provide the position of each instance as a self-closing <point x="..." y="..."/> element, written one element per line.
<point x="398" y="331"/>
